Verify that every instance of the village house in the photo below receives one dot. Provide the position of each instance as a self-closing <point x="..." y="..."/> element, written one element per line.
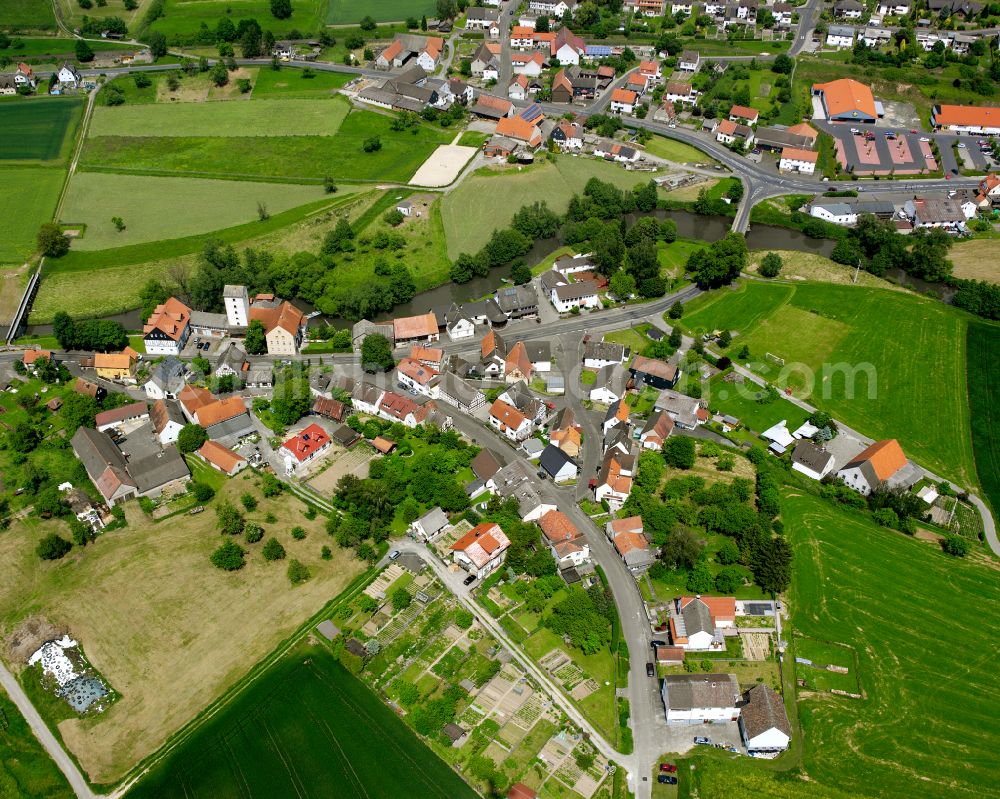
<point x="597" y="354"/>
<point x="127" y="416"/>
<point x="839" y="37"/>
<point x="696" y="623"/>
<point x="568" y="546"/>
<point x="795" y="160"/>
<point x="676" y="92"/>
<point x="30" y="357"/>
<point x="305" y="447"/>
<point x="614" y="480"/>
<point x="430" y="525"/>
<point x="417" y="377"/>
<point x="486" y="65"/>
<point x="166" y="380"/>
<point x="811" y="460"/>
<point x="24" y="76"/>
<point x="654" y="372"/>
<point x="168" y="421"/>
<point x="764" y="725"/>
<point x="701" y="698"/>
<point x="623" y="101"/>
<point x="582" y="294"/>
<point x="610" y="384"/>
<point x="116" y="366"/>
<point x="558" y="464"/>
<point x="222" y="459"/>
<point x="632" y="545"/>
<point x="415" y="329"/>
<point x="848" y="9"/>
<point x="689" y="60"/>
<point x="510" y="421"/>
<point x="365" y="397"/>
<point x="69" y="77"/>
<point x="733" y="133"/>
<point x="482" y="549"/>
<point x="332" y="409"/>
<point x="616" y="415"/>
<point x="877" y="464"/>
<point x="225" y="420"/>
<point x="167" y="329"/>
<point x="478" y="18"/>
<point x="686" y="411"/>
<point x="424" y="50"/>
<point x="284" y="324"/>
<point x="552" y="8"/>
<point x="648" y="8"/>
<point x="658" y="428"/>
<point x="516" y="302"/>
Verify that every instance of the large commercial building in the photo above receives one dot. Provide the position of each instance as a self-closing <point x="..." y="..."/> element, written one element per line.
<point x="846" y="100"/>
<point x="981" y="120"/>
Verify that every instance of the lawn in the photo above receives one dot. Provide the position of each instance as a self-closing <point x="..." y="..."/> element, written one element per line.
<point x="305" y="158"/>
<point x="289" y="83"/>
<point x="167" y="630"/>
<point x="306" y="727"/>
<point x="18" y="15"/>
<point x="271" y="117"/>
<point x="739" y="400"/>
<point x="677" y="151"/>
<point x="634" y="339"/>
<point x="907" y="383"/>
<point x="28" y="194"/>
<point x="469" y="222"/>
<point x="170" y="208"/>
<point x="182" y="19"/>
<point x="891" y="598"/>
<point x="38" y="129"/>
<point x="25" y="767"/>
<point x="51" y="49"/>
<point x="983" y="342"/>
<point x="342" y="12"/>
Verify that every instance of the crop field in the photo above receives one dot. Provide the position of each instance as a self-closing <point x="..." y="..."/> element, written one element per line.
<point x="926" y="661"/>
<point x="984" y="399"/>
<point x="170" y="208"/>
<point x="26" y="14"/>
<point x="914" y="347"/>
<point x="165" y="627"/>
<point x="36" y="130"/>
<point x="29" y="195"/>
<point x="25" y="767"/>
<point x="278" y="117"/>
<point x="975" y="259"/>
<point x="469" y="222"/>
<point x="306" y="158"/>
<point x="342" y="12"/>
<point x="182" y="19"/>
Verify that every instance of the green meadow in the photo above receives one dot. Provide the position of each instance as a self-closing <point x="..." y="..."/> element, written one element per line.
<point x="342" y="12"/>
<point x="16" y="15"/>
<point x="182" y="19"/>
<point x="37" y="129"/>
<point x="984" y="400"/>
<point x="909" y="352"/>
<point x="29" y="195"/>
<point x="25" y="767"/>
<point x="307" y="727"/>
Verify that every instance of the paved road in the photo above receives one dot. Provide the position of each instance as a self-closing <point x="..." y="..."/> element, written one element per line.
<point x="45" y="736"/>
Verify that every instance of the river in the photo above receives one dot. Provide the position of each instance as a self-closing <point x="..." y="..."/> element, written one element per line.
<point x="689" y="226"/>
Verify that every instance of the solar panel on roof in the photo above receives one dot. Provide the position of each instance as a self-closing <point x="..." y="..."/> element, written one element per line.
<point x="532" y="112"/>
<point x="757" y="608"/>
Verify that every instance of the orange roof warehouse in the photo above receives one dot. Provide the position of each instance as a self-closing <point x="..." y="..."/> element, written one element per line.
<point x="984" y="120"/>
<point x="846" y="100"/>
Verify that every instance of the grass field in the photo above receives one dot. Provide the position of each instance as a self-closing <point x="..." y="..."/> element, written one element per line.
<point x="37" y="129"/>
<point x="288" y="83"/>
<point x="797" y="265"/>
<point x="272" y="117"/>
<point x="914" y="346"/>
<point x="52" y="49"/>
<point x="975" y="259"/>
<point x="983" y="344"/>
<point x="26" y="15"/>
<point x="25" y="767"/>
<point x="170" y="208"/>
<point x="926" y="664"/>
<point x="165" y="628"/>
<point x="342" y="12"/>
<point x="182" y="19"/>
<point x="469" y="222"/>
<point x="306" y="728"/>
<point x="29" y="195"/>
<point x="306" y="158"/>
<point x="677" y="151"/>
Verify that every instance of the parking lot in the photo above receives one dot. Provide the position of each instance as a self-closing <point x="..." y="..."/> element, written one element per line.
<point x="679" y="738"/>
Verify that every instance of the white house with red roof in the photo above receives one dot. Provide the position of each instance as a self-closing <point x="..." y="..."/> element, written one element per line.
<point x="509" y="421"/>
<point x="418" y="377"/>
<point x="482" y="549"/>
<point x="305" y="447"/>
<point x="623" y="101"/>
<point x="696" y="622"/>
<point x="568" y="546"/>
<point x="875" y="465"/>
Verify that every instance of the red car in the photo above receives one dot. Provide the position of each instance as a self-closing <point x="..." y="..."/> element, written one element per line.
<point x="670" y="768"/>
<point x="550" y="405"/>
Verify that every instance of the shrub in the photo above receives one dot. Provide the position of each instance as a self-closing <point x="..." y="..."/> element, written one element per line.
<point x="228" y="556"/>
<point x="273" y="550"/>
<point x="956" y="545"/>
<point x="326" y="553"/>
<point x="53" y="547"/>
<point x="202" y="491"/>
<point x="271" y="486"/>
<point x="393" y="217"/>
<point x="298" y="533"/>
<point x="254" y="532"/>
<point x="771" y="265"/>
<point x="249" y="501"/>
<point x="191" y="437"/>
<point x="400" y="599"/>
<point x="297" y="572"/>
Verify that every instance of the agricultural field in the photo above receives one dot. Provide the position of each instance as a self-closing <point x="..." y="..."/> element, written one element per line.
<point x="28" y="194"/>
<point x="891" y="598"/>
<point x="50" y="49"/>
<point x="182" y="19"/>
<point x="170" y="208"/>
<point x="166" y="629"/>
<point x="305" y="158"/>
<point x="917" y="393"/>
<point x="39" y="129"/>
<point x="17" y="15"/>
<point x="306" y="725"/>
<point x="278" y="117"/>
<point x="984" y="398"/>
<point x="72" y="13"/>
<point x="25" y="767"/>
<point x="344" y="12"/>
<point x="469" y="222"/>
<point x="975" y="259"/>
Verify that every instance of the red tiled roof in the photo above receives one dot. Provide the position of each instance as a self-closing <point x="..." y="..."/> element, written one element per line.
<point x="968" y="115"/>
<point x="557" y="527"/>
<point x="420" y="326"/>
<point x="227" y="460"/>
<point x="623" y="96"/>
<point x="307" y="442"/>
<point x="30" y="356"/>
<point x="170" y="318"/>
<point x="886" y="458"/>
<point x="743" y="112"/>
<point x="631" y="524"/>
<point x="795" y="154"/>
<point x="507" y="415"/>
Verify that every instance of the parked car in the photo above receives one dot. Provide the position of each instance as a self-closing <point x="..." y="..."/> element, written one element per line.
<point x="542" y="474"/>
<point x="666" y="779"/>
<point x="702" y="740"/>
<point x="670" y="768"/>
<point x="925" y="138"/>
<point x="657" y="643"/>
<point x="960" y="145"/>
<point x="469" y="580"/>
<point x="394" y="554"/>
<point x="650" y="670"/>
<point x="855" y="131"/>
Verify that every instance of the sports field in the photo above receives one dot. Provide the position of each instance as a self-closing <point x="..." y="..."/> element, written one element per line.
<point x="305" y="728"/>
<point x="290" y="157"/>
<point x="923" y="626"/>
<point x="984" y="401"/>
<point x="469" y="222"/>
<point x="182" y="19"/>
<point x="28" y="195"/>
<point x="914" y="346"/>
<point x="342" y="12"/>
<point x="169" y="208"/>
<point x="166" y="628"/>
<point x="37" y="129"/>
<point x="26" y="14"/>
<point x="25" y="768"/>
<point x="257" y="118"/>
